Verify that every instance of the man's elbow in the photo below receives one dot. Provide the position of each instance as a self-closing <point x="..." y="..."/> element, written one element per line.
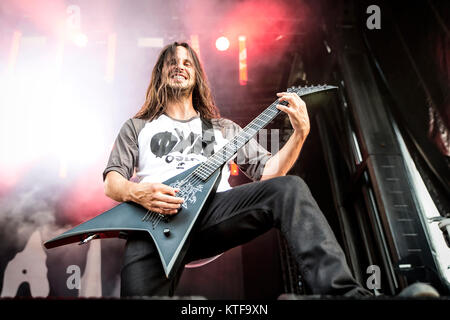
<point x="107" y="186"/>
<point x="272" y="169"/>
<point x="266" y="176"/>
<point x="116" y="187"/>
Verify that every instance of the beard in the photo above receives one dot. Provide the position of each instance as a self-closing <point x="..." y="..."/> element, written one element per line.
<point x="177" y="92"/>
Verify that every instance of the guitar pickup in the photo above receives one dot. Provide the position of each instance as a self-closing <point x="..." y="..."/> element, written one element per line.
<point x="89" y="238"/>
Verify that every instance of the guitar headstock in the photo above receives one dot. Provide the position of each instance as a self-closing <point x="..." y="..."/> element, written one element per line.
<point x="303" y="91"/>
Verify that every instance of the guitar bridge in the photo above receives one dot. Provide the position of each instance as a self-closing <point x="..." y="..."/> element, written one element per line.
<point x="154" y="218"/>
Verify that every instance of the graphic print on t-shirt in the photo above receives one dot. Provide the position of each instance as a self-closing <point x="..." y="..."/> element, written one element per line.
<point x="160" y="149"/>
<point x="167" y="147"/>
<point x="162" y="143"/>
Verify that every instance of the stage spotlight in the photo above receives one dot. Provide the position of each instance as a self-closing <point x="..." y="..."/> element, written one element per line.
<point x="80" y="39"/>
<point x="222" y="43"/>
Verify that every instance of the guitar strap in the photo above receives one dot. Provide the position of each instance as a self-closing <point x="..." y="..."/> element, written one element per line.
<point x="208" y="139"/>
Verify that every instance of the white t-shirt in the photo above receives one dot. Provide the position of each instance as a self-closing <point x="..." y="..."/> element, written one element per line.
<point x="160" y="149"/>
<point x="168" y="147"/>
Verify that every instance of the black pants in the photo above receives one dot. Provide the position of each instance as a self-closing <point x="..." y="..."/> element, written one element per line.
<point x="237" y="216"/>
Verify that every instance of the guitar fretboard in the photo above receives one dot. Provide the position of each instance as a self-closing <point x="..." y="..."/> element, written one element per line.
<point x="229" y="150"/>
<point x="218" y="159"/>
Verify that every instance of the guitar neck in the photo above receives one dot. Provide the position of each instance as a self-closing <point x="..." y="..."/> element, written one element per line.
<point x="219" y="158"/>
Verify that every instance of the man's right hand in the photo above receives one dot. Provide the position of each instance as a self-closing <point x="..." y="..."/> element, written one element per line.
<point x="155" y="196"/>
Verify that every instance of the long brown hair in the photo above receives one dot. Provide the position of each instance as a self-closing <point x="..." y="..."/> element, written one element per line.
<point x="157" y="92"/>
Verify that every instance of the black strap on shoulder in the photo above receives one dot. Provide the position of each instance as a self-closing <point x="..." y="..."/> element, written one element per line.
<point x="208" y="139"/>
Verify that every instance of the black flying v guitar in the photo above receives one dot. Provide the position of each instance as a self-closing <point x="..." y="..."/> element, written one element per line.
<point x="196" y="185"/>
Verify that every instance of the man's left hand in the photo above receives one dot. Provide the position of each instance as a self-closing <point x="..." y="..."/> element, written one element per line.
<point x="297" y="112"/>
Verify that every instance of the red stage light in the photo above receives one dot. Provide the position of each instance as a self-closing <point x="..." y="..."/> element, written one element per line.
<point x="222" y="43"/>
<point x="195" y="44"/>
<point x="234" y="169"/>
<point x="243" y="76"/>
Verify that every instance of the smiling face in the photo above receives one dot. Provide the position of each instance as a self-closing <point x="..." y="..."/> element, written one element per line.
<point x="179" y="70"/>
<point x="178" y="74"/>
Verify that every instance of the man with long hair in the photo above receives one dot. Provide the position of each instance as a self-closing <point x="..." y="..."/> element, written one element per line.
<point x="166" y="137"/>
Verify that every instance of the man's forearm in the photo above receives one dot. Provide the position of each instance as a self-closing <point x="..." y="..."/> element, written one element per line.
<point x="153" y="196"/>
<point x="280" y="163"/>
<point x="117" y="187"/>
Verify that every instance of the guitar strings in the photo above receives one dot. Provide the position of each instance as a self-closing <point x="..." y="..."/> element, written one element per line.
<point x="244" y="135"/>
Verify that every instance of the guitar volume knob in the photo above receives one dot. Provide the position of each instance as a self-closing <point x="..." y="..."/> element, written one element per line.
<point x="166" y="232"/>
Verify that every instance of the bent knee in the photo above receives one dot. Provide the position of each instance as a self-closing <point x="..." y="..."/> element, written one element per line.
<point x="287" y="183"/>
<point x="294" y="181"/>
